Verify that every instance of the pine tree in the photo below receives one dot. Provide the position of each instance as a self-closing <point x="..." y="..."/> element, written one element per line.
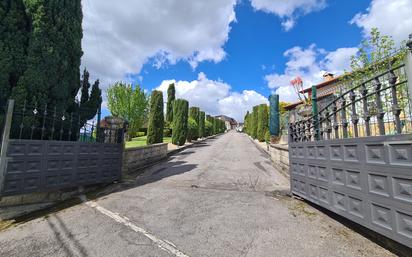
<point x="156" y="119"/>
<point x="180" y="117"/>
<point x="170" y="98"/>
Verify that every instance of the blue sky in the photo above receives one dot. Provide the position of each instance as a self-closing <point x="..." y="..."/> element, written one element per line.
<point x="234" y="53"/>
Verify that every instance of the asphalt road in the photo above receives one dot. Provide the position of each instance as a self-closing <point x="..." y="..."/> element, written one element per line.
<point x="214" y="199"/>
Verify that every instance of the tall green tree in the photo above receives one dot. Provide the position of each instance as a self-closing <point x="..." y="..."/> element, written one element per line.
<point x="209" y="125"/>
<point x="53" y="53"/>
<point x="129" y="104"/>
<point x="246" y="122"/>
<point x="13" y="43"/>
<point x="156" y="119"/>
<point x="202" y="117"/>
<point x="171" y="96"/>
<point x="263" y="122"/>
<point x="194" y="114"/>
<point x="180" y="117"/>
<point x="254" y="122"/>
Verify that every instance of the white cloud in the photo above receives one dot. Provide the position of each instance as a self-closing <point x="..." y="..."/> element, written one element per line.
<point x="310" y="64"/>
<point x="288" y="10"/>
<point x="215" y="97"/>
<point x="120" y="38"/>
<point x="390" y="17"/>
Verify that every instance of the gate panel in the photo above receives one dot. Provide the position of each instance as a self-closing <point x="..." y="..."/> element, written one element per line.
<point x="367" y="180"/>
<point x="39" y="165"/>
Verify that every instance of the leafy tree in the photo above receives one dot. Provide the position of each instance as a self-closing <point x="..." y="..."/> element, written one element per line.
<point x="263" y="121"/>
<point x="374" y="55"/>
<point x="194" y="114"/>
<point x="156" y="119"/>
<point x="170" y="98"/>
<point x="129" y="104"/>
<point x="180" y="117"/>
<point x="202" y="124"/>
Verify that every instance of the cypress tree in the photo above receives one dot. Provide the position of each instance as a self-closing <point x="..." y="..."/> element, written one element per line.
<point x="246" y="122"/>
<point x="170" y="98"/>
<point x="263" y="122"/>
<point x="254" y="122"/>
<point x="156" y="119"/>
<point x="13" y="43"/>
<point x="202" y="124"/>
<point x="180" y="116"/>
<point x="53" y="53"/>
<point x="215" y="126"/>
<point x="194" y="114"/>
<point x="209" y="125"/>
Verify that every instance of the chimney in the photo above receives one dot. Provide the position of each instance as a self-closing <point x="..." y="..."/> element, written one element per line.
<point x="328" y="76"/>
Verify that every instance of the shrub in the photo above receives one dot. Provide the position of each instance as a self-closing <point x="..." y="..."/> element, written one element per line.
<point x="180" y="116"/>
<point x="192" y="129"/>
<point x="262" y="125"/>
<point x="156" y="119"/>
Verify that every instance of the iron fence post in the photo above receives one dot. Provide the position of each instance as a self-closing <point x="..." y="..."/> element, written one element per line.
<point x="315" y="113"/>
<point x="5" y="142"/>
<point x="409" y="66"/>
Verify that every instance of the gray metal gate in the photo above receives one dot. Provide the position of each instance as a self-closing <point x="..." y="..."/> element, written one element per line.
<point x="44" y="150"/>
<point x="354" y="157"/>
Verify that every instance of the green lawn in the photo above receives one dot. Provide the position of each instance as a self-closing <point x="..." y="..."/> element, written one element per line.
<point x="141" y="141"/>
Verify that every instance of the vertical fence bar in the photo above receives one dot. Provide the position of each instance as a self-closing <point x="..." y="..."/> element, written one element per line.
<point x="99" y="114"/>
<point x="343" y="118"/>
<point x="335" y="119"/>
<point x="5" y="142"/>
<point x="366" y="115"/>
<point x="355" y="117"/>
<point x="395" y="106"/>
<point x="315" y="117"/>
<point x="381" y="113"/>
<point x="408" y="67"/>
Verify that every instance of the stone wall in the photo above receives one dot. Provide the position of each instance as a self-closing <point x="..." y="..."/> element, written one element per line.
<point x="136" y="158"/>
<point x="280" y="157"/>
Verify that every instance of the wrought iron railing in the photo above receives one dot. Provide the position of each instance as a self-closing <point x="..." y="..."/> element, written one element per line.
<point x="379" y="105"/>
<point x="35" y="122"/>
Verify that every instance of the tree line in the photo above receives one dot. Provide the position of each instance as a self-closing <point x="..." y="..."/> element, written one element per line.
<point x="180" y="122"/>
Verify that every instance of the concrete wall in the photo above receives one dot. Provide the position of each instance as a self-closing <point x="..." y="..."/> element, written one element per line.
<point x="280" y="157"/>
<point x="137" y="158"/>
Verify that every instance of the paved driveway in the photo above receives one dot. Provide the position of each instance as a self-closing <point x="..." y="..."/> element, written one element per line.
<point x="214" y="199"/>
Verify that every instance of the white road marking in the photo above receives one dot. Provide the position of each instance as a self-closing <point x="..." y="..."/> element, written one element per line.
<point x="163" y="244"/>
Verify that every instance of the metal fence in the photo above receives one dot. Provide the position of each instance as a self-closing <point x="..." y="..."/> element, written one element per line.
<point x="354" y="156"/>
<point x="50" y="149"/>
